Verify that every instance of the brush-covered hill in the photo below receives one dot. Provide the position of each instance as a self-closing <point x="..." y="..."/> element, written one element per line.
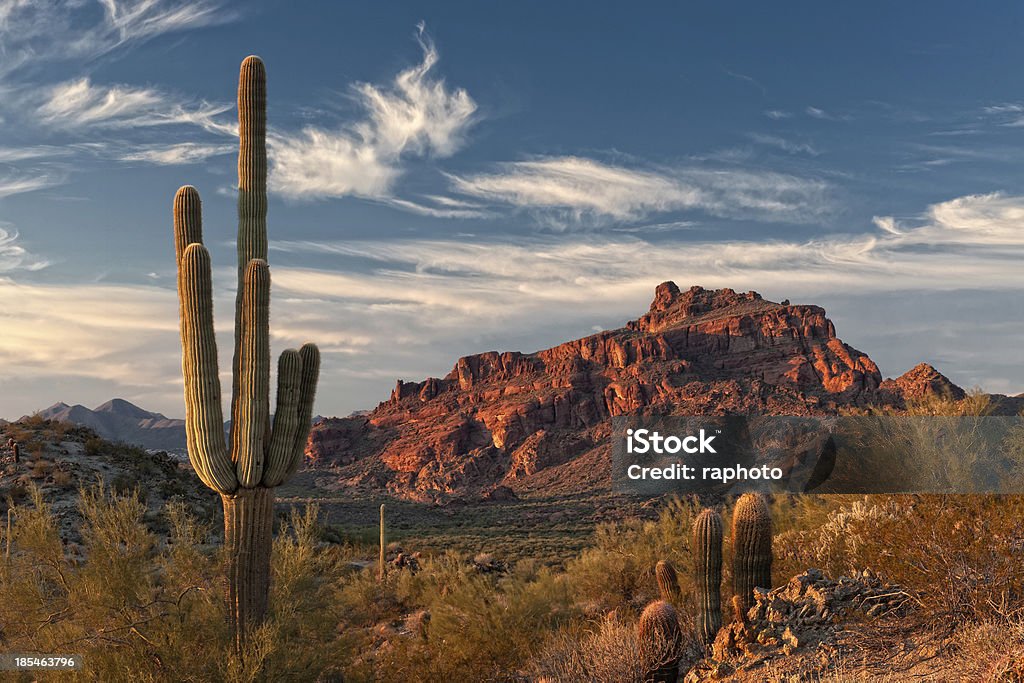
<point x="539" y="422"/>
<point x="60" y="458"/>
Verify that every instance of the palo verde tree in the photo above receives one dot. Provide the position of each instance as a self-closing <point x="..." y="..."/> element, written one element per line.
<point x="245" y="471"/>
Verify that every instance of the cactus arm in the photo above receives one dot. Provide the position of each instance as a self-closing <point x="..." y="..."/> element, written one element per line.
<point x="286" y="418"/>
<point x="252" y="199"/>
<point x="188" y="221"/>
<point x="204" y="420"/>
<point x="254" y="385"/>
<point x="307" y="393"/>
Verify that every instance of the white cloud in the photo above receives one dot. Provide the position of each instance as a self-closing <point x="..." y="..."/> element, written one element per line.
<point x="984" y="220"/>
<point x="14" y="257"/>
<point x="120" y="335"/>
<point x="79" y="103"/>
<point x="15" y="154"/>
<point x="785" y="145"/>
<point x="417" y="114"/>
<point x="578" y="189"/>
<point x="445" y="207"/>
<point x="423" y="303"/>
<point x="35" y="31"/>
<point x="176" y="154"/>
<point x="18" y="183"/>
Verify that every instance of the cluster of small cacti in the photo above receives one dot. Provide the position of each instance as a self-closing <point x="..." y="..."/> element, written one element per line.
<point x="259" y="458"/>
<point x="751" y="568"/>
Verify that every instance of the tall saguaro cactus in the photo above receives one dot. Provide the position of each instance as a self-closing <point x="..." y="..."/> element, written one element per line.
<point x="751" y="548"/>
<point x="707" y="553"/>
<point x="258" y="458"/>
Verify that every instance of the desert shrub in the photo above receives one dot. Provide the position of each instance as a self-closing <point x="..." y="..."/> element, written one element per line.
<point x="94" y="445"/>
<point x="960" y="555"/>
<point x="606" y="650"/>
<point x="63" y="478"/>
<point x="482" y="626"/>
<point x="123" y="484"/>
<point x="40" y="468"/>
<point x="618" y="569"/>
<point x="138" y="609"/>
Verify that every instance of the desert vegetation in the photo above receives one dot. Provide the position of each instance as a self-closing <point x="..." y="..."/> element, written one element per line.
<point x="140" y="606"/>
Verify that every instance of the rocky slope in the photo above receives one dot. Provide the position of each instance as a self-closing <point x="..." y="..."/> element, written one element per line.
<point x="513" y="420"/>
<point x="60" y="459"/>
<point x="119" y="420"/>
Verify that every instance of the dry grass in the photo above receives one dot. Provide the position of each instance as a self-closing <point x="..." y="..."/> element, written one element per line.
<point x="606" y="651"/>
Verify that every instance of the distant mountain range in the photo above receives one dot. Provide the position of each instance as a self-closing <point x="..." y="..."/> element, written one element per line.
<point x="120" y="420"/>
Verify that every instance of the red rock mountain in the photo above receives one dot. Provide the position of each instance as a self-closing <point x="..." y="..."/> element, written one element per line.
<point x="501" y="422"/>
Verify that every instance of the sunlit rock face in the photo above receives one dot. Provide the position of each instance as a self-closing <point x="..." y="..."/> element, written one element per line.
<point x="540" y="421"/>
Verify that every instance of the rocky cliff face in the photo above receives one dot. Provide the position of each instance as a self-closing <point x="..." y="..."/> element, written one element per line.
<point x="514" y="420"/>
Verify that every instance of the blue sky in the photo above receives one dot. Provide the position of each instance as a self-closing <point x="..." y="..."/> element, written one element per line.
<point x="452" y="178"/>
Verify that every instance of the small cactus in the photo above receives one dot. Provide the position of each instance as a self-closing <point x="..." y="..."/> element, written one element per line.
<point x="16" y="451"/>
<point x="751" y="547"/>
<point x="660" y="635"/>
<point x="383" y="547"/>
<point x="668" y="581"/>
<point x="707" y="552"/>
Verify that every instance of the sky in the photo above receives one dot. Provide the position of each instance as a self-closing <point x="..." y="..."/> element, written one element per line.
<point x="457" y="177"/>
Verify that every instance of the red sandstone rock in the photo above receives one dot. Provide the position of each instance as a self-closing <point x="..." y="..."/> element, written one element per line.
<point x="921" y="381"/>
<point x="514" y="419"/>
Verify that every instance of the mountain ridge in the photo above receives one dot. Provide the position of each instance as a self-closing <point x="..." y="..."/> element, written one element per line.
<point x="511" y="422"/>
<point x="123" y="421"/>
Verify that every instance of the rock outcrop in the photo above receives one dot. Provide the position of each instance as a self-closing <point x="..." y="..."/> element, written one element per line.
<point x="516" y="419"/>
<point x="920" y="381"/>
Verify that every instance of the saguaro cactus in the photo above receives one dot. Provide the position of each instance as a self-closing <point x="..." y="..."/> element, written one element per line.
<point x="751" y="548"/>
<point x="668" y="581"/>
<point x="707" y="553"/>
<point x="259" y="458"/>
<point x="661" y="638"/>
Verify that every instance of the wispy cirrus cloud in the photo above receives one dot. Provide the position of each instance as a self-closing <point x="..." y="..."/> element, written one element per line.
<point x="80" y="104"/>
<point x="414" y="305"/>
<point x="13" y="256"/>
<point x="20" y="182"/>
<point x="175" y="154"/>
<point x="417" y="114"/>
<point x="36" y="31"/>
<point x="575" y="189"/>
<point x="784" y="144"/>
